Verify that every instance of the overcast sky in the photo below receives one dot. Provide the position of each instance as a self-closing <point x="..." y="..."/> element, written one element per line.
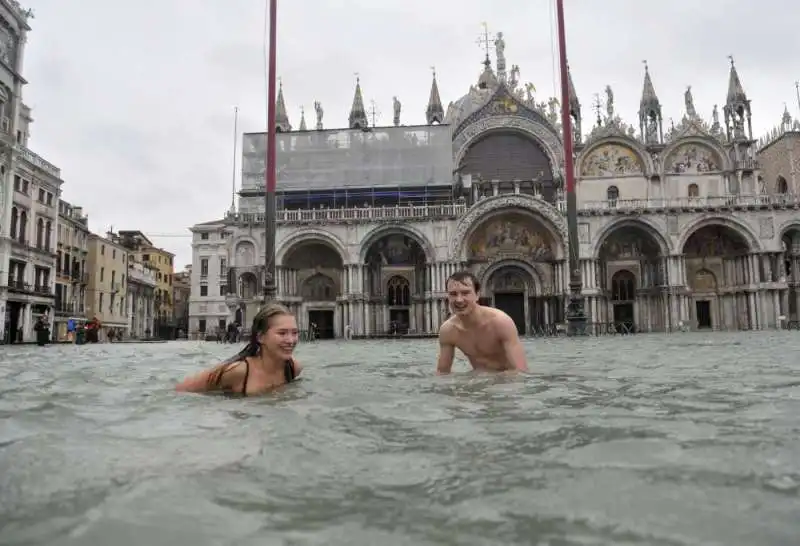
<point x="134" y="100"/>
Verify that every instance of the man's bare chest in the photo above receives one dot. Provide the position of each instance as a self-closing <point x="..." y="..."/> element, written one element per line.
<point x="481" y="344"/>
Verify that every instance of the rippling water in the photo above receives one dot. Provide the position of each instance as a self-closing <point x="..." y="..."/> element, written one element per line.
<point x="661" y="440"/>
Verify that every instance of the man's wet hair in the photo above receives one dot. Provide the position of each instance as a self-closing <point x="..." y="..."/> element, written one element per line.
<point x="464" y="277"/>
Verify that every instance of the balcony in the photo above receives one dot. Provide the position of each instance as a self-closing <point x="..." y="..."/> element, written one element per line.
<point x="79" y="278"/>
<point x="68" y="309"/>
<point x="37" y="161"/>
<point x="356" y="214"/>
<point x="691" y="204"/>
<point x="139" y="274"/>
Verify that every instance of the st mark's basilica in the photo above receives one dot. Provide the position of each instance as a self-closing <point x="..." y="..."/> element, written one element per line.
<point x="678" y="226"/>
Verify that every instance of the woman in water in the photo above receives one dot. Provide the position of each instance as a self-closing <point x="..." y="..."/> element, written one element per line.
<point x="265" y="363"/>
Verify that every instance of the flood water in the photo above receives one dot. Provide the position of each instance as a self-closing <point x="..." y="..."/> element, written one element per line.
<point x="652" y="439"/>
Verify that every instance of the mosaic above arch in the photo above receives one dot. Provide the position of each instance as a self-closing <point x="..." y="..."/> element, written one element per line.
<point x="693" y="158"/>
<point x="510" y="233"/>
<point x="610" y="160"/>
<point x="551" y="220"/>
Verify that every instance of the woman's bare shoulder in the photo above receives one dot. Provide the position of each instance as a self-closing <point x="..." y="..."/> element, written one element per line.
<point x="220" y="377"/>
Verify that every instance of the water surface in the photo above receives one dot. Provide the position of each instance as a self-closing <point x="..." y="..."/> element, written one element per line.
<point x="658" y="440"/>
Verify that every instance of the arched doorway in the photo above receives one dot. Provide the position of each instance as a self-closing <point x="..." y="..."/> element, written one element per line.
<point x="623" y="300"/>
<point x="721" y="253"/>
<point x="313" y="272"/>
<point x="790" y="306"/>
<point x="513" y="247"/>
<point x="396" y="283"/>
<point x="510" y="162"/>
<point x="630" y="274"/>
<point x="509" y="288"/>
<point x="248" y="286"/>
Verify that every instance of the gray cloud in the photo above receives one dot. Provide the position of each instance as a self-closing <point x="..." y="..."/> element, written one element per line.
<point x="134" y="100"/>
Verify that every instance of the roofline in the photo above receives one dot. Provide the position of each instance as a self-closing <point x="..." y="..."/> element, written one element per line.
<point x="338" y="130"/>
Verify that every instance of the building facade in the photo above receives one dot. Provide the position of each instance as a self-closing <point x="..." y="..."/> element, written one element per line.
<point x="181" y="293"/>
<point x="141" y="296"/>
<point x="29" y="196"/>
<point x="162" y="263"/>
<point x="675" y="228"/>
<point x="106" y="294"/>
<point x="72" y="278"/>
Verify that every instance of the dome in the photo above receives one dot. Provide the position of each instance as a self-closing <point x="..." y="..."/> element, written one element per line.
<point x="474" y="100"/>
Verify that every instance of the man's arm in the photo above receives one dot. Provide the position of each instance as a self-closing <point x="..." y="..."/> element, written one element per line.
<point x="512" y="346"/>
<point x="447" y="352"/>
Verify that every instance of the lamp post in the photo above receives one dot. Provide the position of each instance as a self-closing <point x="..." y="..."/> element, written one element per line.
<point x="270" y="215"/>
<point x="576" y="317"/>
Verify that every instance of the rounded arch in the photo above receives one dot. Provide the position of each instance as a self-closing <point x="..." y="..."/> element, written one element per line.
<point x="693" y="155"/>
<point x="623" y="286"/>
<point x="737" y="227"/>
<point x="310" y="235"/>
<point x="396" y="229"/>
<point x="615" y="156"/>
<point x="319" y="287"/>
<point x="486" y="274"/>
<point x="703" y="281"/>
<point x="788" y="228"/>
<point x="248" y="285"/>
<point x="539" y="210"/>
<point x="507" y="154"/>
<point x="781" y="185"/>
<point x="641" y="225"/>
<point x="482" y="127"/>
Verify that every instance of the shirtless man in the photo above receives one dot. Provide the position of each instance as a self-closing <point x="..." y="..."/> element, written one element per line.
<point x="487" y="336"/>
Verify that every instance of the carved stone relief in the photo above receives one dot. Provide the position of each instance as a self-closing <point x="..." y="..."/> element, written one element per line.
<point x="319" y="287"/>
<point x="766" y="227"/>
<point x="489" y="205"/>
<point x="584" y="233"/>
<point x="245" y="254"/>
<point x="611" y="160"/>
<point x="508" y="280"/>
<point x="714" y="241"/>
<point x="628" y="244"/>
<point x="693" y="158"/>
<point x="704" y="281"/>
<point x="510" y="233"/>
<point x="395" y="249"/>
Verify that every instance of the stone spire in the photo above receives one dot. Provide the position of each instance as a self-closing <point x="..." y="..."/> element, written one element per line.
<point x="737" y="108"/>
<point x="650" y="121"/>
<point x="435" y="111"/>
<point x="574" y="109"/>
<point x="303" y="126"/>
<point x="358" y="114"/>
<point x="282" y="124"/>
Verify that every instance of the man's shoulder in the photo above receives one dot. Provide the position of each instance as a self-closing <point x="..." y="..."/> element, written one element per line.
<point x="448" y="327"/>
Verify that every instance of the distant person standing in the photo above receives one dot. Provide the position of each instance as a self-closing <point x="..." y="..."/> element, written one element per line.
<point x="488" y="337"/>
<point x="42" y="329"/>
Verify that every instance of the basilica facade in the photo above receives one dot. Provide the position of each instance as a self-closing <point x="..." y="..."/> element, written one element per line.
<point x="677" y="226"/>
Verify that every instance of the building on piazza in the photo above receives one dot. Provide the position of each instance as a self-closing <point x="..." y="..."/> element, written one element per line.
<point x="677" y="226"/>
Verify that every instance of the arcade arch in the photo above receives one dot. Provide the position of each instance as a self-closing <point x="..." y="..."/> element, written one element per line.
<point x="310" y="279"/>
<point x="508" y="161"/>
<point x="515" y="256"/>
<point x="395" y="281"/>
<point x="720" y="269"/>
<point x="790" y="270"/>
<point x="630" y="274"/>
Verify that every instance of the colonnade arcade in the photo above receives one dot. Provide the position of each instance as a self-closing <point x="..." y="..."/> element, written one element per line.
<point x="394" y="288"/>
<point x="719" y="279"/>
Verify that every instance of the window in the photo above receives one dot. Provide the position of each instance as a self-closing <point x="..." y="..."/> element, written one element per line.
<point x="223" y="263"/>
<point x="612" y="194"/>
<point x="113" y="253"/>
<point x="694" y="190"/>
<point x="204" y="267"/>
<point x="203" y="290"/>
<point x="201" y="325"/>
<point x="204" y="236"/>
<point x="41" y="195"/>
<point x="223" y="290"/>
<point x="102" y="273"/>
<point x="102" y="250"/>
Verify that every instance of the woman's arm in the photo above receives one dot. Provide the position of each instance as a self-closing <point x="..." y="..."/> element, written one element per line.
<point x="223" y="377"/>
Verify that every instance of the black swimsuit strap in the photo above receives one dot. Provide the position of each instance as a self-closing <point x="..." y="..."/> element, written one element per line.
<point x="246" y="375"/>
<point x="288" y="371"/>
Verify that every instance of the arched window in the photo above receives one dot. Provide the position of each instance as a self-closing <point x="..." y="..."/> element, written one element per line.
<point x="612" y="194"/>
<point x="14" y="220"/>
<point x="623" y="286"/>
<point x="23" y="227"/>
<point x="694" y="190"/>
<point x="48" y="233"/>
<point x="39" y="233"/>
<point x="398" y="292"/>
<point x="781" y="187"/>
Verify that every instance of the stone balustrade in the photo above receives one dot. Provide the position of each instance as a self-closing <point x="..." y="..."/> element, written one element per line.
<point x="455" y="210"/>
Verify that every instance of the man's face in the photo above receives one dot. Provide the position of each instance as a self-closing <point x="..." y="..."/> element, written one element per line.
<point x="461" y="296"/>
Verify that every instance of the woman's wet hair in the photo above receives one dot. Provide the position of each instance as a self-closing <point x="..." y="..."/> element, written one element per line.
<point x="261" y="324"/>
